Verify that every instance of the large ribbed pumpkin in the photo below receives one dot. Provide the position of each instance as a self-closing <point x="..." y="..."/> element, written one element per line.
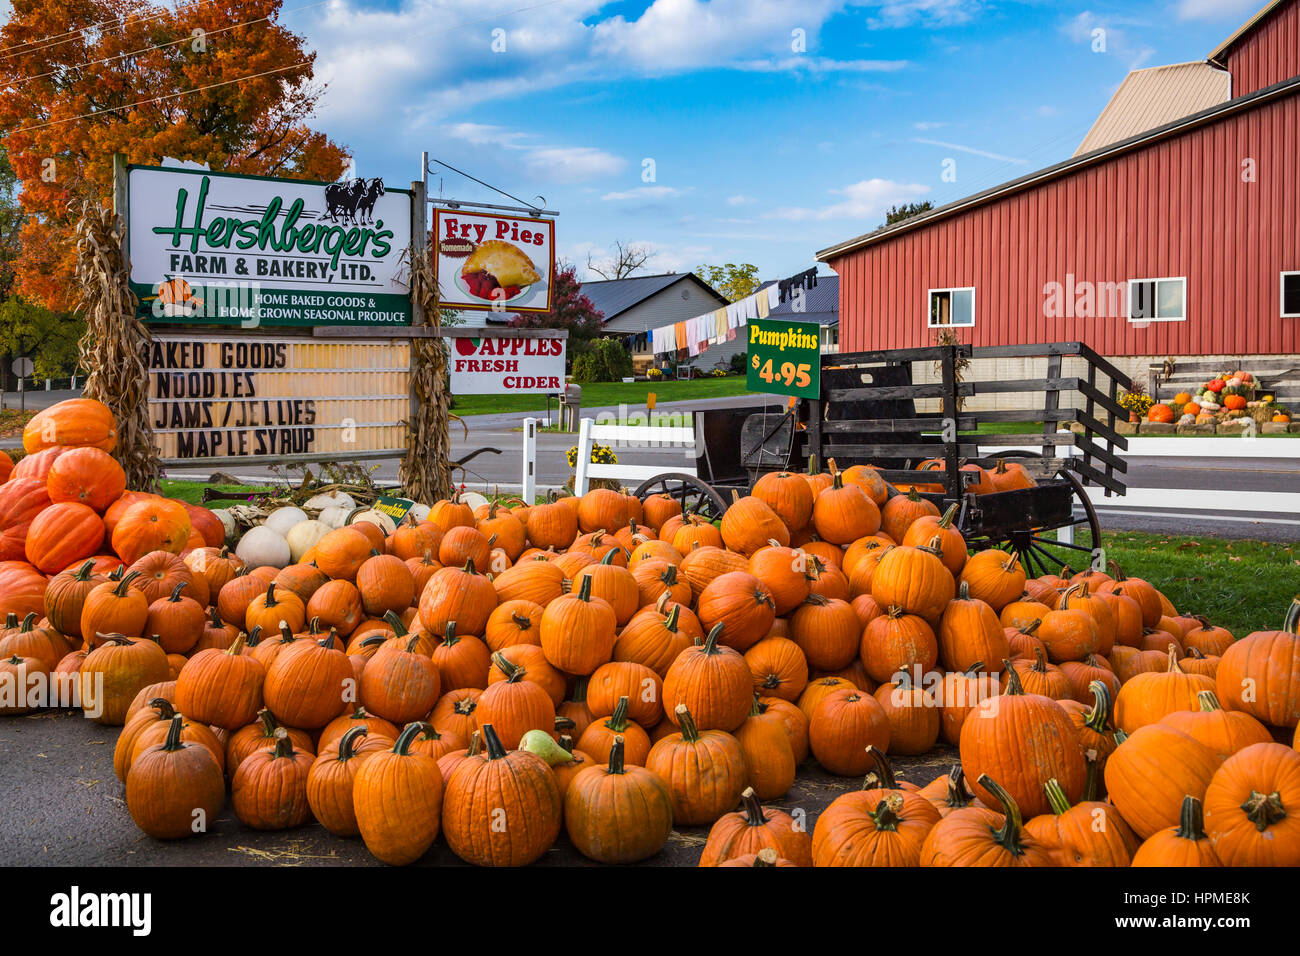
<point x="787" y="494"/>
<point x="21" y="500"/>
<point x="713" y="681"/>
<point x="22" y="589"/>
<point x="843" y="513"/>
<point x="740" y="602"/>
<point x="156" y="524"/>
<point x="1260" y="674"/>
<point x="915" y="580"/>
<point x="749" y="524"/>
<point x="63" y="534"/>
<point x="75" y="422"/>
<point x="1150" y="773"/>
<point x="87" y="476"/>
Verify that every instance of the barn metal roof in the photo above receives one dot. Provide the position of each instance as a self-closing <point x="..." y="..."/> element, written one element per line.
<point x="1221" y="51"/>
<point x="1155" y="96"/>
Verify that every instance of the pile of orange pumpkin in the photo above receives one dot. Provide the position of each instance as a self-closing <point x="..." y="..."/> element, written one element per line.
<point x="626" y="669"/>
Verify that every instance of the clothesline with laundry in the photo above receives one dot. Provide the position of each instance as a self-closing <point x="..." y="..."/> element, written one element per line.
<point x="690" y="337"/>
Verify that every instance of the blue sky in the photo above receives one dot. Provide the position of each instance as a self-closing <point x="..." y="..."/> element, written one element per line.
<point x="767" y="144"/>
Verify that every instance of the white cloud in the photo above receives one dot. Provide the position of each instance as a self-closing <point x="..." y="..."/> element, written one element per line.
<point x="939" y="13"/>
<point x="925" y="127"/>
<point x="644" y="192"/>
<point x="1083" y="29"/>
<point x="821" y="64"/>
<point x="556" y="164"/>
<point x="740" y="200"/>
<point x="868" y="199"/>
<point x="972" y="150"/>
<point x="1216" y="9"/>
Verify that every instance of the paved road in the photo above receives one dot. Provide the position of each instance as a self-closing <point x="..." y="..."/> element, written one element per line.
<point x="63" y="806"/>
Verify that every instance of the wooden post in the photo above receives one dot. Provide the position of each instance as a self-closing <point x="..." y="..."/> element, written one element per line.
<point x="119" y="197"/>
<point x="419" y="248"/>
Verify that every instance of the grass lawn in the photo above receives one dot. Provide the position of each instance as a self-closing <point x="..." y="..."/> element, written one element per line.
<point x="192" y="491"/>
<point x="12" y="422"/>
<point x="1242" y="585"/>
<point x="632" y="394"/>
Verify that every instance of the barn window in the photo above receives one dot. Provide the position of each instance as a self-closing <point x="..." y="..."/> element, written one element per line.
<point x="1291" y="295"/>
<point x="952" y="307"/>
<point x="1157" y="300"/>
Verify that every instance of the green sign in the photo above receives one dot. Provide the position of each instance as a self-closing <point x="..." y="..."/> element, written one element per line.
<point x="785" y="358"/>
<point x="216" y="248"/>
<point x="395" y="508"/>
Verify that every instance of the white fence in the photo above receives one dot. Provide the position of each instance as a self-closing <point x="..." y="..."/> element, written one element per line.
<point x="640" y="436"/>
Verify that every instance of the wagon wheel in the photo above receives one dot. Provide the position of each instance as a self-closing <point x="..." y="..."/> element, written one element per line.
<point x="1040" y="554"/>
<point x="696" y="496"/>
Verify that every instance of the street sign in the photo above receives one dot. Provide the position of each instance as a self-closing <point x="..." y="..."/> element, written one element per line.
<point x="23" y="366"/>
<point x="784" y="358"/>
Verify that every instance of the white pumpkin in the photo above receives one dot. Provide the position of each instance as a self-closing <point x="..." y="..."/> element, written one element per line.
<point x="419" y="512"/>
<point x="474" y="500"/>
<point x="262" y="547"/>
<point x="282" y="519"/>
<point x="303" y="536"/>
<point x="334" y="517"/>
<point x="227" y="522"/>
<point x="383" y="521"/>
<point x="332" y="499"/>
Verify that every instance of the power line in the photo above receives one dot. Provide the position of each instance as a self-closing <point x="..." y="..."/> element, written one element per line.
<point x="71" y="35"/>
<point x="159" y="99"/>
<point x="162" y="46"/>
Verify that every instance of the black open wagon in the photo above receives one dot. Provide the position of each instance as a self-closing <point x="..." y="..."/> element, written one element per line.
<point x="873" y="411"/>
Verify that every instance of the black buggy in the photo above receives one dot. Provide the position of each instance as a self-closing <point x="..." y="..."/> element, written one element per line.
<point x="868" y="414"/>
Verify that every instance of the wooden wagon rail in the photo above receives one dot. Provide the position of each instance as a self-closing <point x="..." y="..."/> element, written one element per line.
<point x="868" y="415"/>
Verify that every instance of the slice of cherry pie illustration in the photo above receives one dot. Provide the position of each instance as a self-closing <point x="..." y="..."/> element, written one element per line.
<point x="498" y="265"/>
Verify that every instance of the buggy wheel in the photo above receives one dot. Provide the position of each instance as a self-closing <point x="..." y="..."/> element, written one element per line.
<point x="1042" y="550"/>
<point x="696" y="496"/>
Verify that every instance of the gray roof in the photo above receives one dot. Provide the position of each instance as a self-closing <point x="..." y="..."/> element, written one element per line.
<point x="613" y="296"/>
<point x="821" y="303"/>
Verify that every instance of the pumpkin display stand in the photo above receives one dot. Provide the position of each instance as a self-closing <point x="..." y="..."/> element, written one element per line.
<point x="1029" y="501"/>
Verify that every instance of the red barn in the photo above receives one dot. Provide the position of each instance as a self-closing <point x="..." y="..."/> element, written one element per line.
<point x="1176" y="234"/>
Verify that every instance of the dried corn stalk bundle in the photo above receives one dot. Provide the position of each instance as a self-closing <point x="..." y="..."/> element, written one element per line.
<point x="116" y="343"/>
<point x="424" y="472"/>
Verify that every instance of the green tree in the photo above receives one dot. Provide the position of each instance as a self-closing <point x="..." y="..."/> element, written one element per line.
<point x="11" y="223"/>
<point x="732" y="281"/>
<point x="898" y="213"/>
<point x="49" y="338"/>
<point x="570" y="310"/>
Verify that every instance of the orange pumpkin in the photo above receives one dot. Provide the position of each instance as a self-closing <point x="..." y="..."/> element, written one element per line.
<point x="63" y="534"/>
<point x="158" y="524"/>
<point x="87" y="476"/>
<point x="1160" y="412"/>
<point x="77" y="422"/>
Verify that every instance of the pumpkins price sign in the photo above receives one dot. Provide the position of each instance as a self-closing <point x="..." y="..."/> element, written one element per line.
<point x="229" y="396"/>
<point x="784" y="358"/>
<point x="217" y="248"/>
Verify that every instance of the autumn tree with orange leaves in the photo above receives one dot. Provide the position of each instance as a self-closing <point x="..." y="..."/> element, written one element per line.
<point x="220" y="82"/>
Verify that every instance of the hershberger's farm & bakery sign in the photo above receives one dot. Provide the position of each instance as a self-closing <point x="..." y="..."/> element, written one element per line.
<point x="245" y="250"/>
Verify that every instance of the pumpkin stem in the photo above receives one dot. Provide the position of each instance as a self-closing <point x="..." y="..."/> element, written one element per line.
<point x="752" y="809"/>
<point x="1264" y="810"/>
<point x="1040" y="662"/>
<point x="268" y="722"/>
<point x="403" y="745"/>
<point x="176" y="592"/>
<point x="711" y="642"/>
<point x="1209" y="703"/>
<point x="122" y="585"/>
<point x="566" y="742"/>
<point x="690" y="733"/>
<point x="83" y="572"/>
<point x="283" y="745"/>
<point x="881" y="770"/>
<point x="1032" y="628"/>
<point x="886" y="813"/>
<point x="609" y="556"/>
<point x="164" y="707"/>
<point x="618" y="720"/>
<point x="237" y="647"/>
<point x="475" y="744"/>
<point x="350" y="736"/>
<point x="945" y="521"/>
<point x="1009" y="835"/>
<point x="213" y="617"/>
<point x="1173" y="660"/>
<point x="616" y="755"/>
<point x="1292" y="622"/>
<point x="1091" y="775"/>
<point x="495" y="750"/>
<point x="1056" y="797"/>
<point x="584" y="586"/>
<point x="766" y="857"/>
<point x="451" y="637"/>
<point x="963" y="591"/>
<point x="959" y="794"/>
<point x="513" y="672"/>
<point x="1014" y="686"/>
<point x="1099" y="716"/>
<point x="1191" y="819"/>
<point x="173" y="741"/>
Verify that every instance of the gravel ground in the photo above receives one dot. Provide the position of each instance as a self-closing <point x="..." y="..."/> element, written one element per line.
<point x="63" y="806"/>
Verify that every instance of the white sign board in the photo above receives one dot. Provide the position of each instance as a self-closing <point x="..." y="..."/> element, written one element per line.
<point x="496" y="262"/>
<point x="225" y="249"/>
<point x="505" y="364"/>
